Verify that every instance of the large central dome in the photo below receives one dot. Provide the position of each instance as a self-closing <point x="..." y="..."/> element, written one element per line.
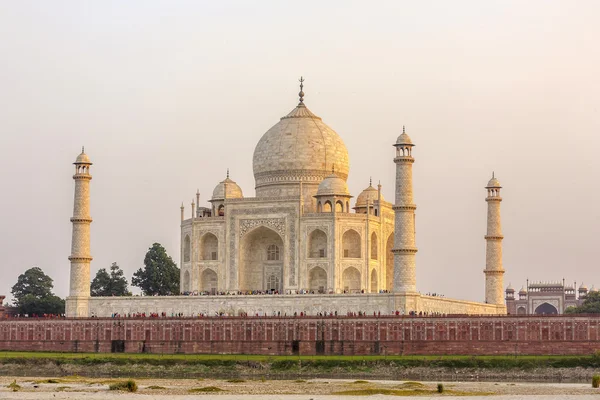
<point x="299" y="148"/>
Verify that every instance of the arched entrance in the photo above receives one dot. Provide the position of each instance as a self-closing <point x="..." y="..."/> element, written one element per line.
<point x="351" y="280"/>
<point x="261" y="261"/>
<point x="209" y="247"/>
<point x="317" y="280"/>
<point x="209" y="281"/>
<point x="546" y="308"/>
<point x="521" y="311"/>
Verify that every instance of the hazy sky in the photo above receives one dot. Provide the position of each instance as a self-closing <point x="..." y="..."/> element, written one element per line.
<point x="167" y="95"/>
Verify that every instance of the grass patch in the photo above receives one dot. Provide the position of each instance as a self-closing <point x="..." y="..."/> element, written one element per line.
<point x="62" y="388"/>
<point x="300" y="381"/>
<point x="596" y="381"/>
<point x="237" y="380"/>
<point x="207" y="389"/>
<point x="47" y="381"/>
<point x="412" y="385"/>
<point x="387" y="392"/>
<point x="129" y="386"/>
<point x="14" y="386"/>
<point x="155" y="387"/>
<point x="360" y="382"/>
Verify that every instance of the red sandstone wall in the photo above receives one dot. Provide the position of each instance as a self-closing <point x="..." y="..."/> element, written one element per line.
<point x="310" y="335"/>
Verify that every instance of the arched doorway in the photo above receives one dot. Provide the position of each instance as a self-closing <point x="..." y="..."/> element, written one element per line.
<point x="546" y="308"/>
<point x="521" y="311"/>
<point x="351" y="280"/>
<point x="374" y="281"/>
<point x="209" y="281"/>
<point x="317" y="280"/>
<point x="389" y="263"/>
<point x="374" y="246"/>
<point x="261" y="261"/>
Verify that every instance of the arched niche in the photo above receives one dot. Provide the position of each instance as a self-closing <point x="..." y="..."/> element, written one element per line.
<point x="317" y="280"/>
<point x="317" y="244"/>
<point x="374" y="246"/>
<point x="373" y="280"/>
<point x="209" y="281"/>
<point x="351" y="280"/>
<point x="546" y="309"/>
<point x="187" y="248"/>
<point x="186" y="281"/>
<point x="351" y="244"/>
<point x="209" y="247"/>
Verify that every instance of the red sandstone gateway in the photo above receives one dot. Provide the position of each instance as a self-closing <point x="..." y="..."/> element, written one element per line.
<point x="385" y="335"/>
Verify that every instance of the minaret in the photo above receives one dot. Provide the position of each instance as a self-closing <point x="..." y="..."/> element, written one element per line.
<point x="405" y="280"/>
<point x="79" y="292"/>
<point x="493" y="253"/>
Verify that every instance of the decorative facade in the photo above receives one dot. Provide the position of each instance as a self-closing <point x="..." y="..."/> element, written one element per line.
<point x="545" y="298"/>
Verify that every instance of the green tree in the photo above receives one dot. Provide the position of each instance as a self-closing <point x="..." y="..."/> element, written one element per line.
<point x="33" y="294"/>
<point x="160" y="275"/>
<point x="591" y="305"/>
<point x="113" y="284"/>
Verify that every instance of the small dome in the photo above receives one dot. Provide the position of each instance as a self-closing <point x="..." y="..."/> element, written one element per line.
<point x="370" y="194"/>
<point x="593" y="288"/>
<point x="404" y="139"/>
<point x="493" y="183"/>
<point x="582" y="287"/>
<point x="333" y="185"/>
<point x="82" y="158"/>
<point x="233" y="190"/>
<point x="522" y="290"/>
<point x="510" y="288"/>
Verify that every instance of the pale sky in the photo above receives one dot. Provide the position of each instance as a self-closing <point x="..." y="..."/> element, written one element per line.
<point x="166" y="95"/>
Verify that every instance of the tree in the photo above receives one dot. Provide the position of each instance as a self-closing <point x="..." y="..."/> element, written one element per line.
<point x="33" y="294"/>
<point x="113" y="284"/>
<point x="591" y="305"/>
<point x="160" y="275"/>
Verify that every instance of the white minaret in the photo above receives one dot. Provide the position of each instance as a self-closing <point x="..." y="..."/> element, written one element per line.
<point x="405" y="280"/>
<point x="494" y="270"/>
<point x="79" y="292"/>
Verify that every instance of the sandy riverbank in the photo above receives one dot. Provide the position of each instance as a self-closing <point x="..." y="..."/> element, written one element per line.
<point x="161" y="389"/>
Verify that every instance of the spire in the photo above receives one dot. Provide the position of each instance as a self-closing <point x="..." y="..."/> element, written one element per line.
<point x="370" y="181"/>
<point x="301" y="94"/>
<point x="403" y="129"/>
<point x="82" y="149"/>
<point x="227" y="173"/>
<point x="493" y="174"/>
<point x="333" y="168"/>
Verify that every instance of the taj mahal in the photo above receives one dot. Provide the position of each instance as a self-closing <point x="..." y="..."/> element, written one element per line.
<point x="303" y="243"/>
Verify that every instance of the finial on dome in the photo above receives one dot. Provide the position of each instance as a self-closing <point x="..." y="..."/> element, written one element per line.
<point x="370" y="181"/>
<point x="227" y="173"/>
<point x="301" y="94"/>
<point x="403" y="129"/>
<point x="493" y="174"/>
<point x="82" y="149"/>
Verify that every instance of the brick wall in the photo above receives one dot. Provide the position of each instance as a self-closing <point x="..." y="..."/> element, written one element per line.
<point x="309" y="335"/>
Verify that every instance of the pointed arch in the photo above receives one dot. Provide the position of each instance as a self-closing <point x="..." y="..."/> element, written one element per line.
<point x="374" y="280"/>
<point x="546" y="308"/>
<point x="339" y="206"/>
<point x="327" y="206"/>
<point x="351" y="244"/>
<point x="187" y="248"/>
<point x="261" y="260"/>
<point x="317" y="280"/>
<point x="209" y="246"/>
<point x="209" y="281"/>
<point x="317" y="244"/>
<point x="351" y="280"/>
<point x="374" y="246"/>
<point x="186" y="281"/>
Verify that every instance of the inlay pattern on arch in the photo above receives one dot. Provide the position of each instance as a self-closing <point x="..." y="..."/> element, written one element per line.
<point x="277" y="224"/>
